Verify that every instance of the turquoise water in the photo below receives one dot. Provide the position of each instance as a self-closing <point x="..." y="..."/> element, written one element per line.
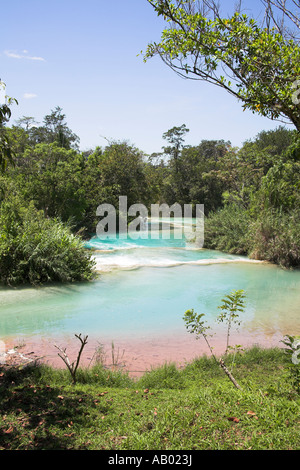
<point x="143" y="289"/>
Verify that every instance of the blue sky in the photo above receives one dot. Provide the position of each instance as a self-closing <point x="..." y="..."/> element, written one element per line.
<point x="83" y="57"/>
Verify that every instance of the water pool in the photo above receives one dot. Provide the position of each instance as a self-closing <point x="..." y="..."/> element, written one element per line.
<point x="143" y="289"/>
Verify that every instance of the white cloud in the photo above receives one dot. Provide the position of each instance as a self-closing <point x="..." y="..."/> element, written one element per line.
<point x="24" y="55"/>
<point x="29" y="96"/>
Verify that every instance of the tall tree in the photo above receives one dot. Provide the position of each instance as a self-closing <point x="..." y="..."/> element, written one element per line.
<point x="52" y="177"/>
<point x="256" y="62"/>
<point x="6" y="154"/>
<point x="175" y="137"/>
<point x="196" y="180"/>
<point x="122" y="170"/>
<point x="54" y="130"/>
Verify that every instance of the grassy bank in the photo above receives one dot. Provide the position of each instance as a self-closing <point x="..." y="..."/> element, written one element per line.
<point x="194" y="408"/>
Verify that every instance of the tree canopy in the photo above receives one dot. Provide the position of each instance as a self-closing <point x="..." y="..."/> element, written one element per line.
<point x="256" y="62"/>
<point x="6" y="154"/>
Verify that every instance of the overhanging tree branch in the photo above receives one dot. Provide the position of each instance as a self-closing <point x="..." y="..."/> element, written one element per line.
<point x="258" y="65"/>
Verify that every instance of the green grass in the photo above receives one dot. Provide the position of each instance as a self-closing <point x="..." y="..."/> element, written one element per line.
<point x="194" y="408"/>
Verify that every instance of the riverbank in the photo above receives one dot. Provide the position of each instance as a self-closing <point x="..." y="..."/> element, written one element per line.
<point x="193" y="408"/>
<point x="134" y="356"/>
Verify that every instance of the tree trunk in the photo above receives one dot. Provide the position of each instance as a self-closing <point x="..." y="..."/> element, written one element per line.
<point x="229" y="375"/>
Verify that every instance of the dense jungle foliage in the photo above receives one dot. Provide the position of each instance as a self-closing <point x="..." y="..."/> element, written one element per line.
<point x="50" y="191"/>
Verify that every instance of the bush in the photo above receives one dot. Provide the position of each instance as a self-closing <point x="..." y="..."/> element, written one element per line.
<point x="38" y="250"/>
<point x="273" y="235"/>
<point x="227" y="230"/>
<point x="276" y="238"/>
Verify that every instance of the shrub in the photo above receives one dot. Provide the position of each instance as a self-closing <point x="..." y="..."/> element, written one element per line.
<point x="276" y="238"/>
<point x="227" y="229"/>
<point x="37" y="250"/>
<point x="273" y="235"/>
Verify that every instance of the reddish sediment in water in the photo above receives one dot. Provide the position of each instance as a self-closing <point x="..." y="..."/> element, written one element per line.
<point x="136" y="356"/>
